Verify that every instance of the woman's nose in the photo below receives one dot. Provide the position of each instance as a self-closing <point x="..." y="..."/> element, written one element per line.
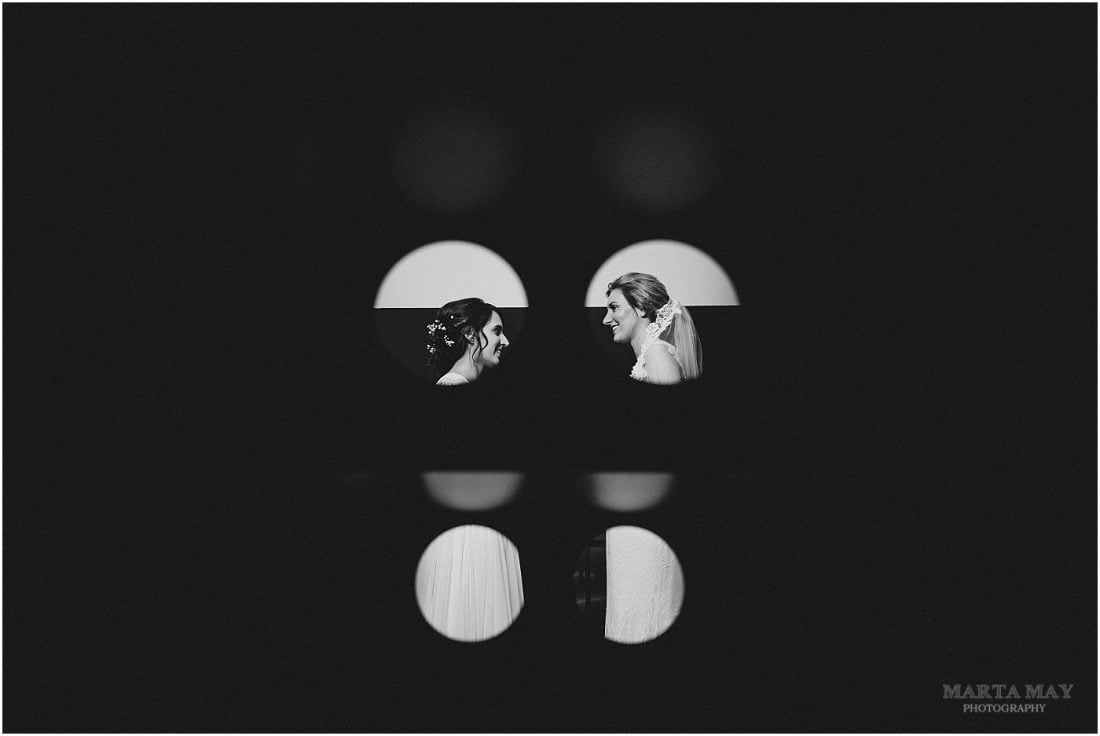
<point x="607" y="318"/>
<point x="503" y="340"/>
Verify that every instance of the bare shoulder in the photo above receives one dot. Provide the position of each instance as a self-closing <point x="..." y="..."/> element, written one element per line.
<point x="451" y="379"/>
<point x="660" y="365"/>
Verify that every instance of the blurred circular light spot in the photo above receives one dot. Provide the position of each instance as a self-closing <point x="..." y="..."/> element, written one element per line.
<point x="660" y="161"/>
<point x="472" y="491"/>
<point x="628" y="491"/>
<point x="454" y="159"/>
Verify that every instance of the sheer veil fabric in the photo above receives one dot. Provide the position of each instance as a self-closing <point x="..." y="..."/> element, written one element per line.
<point x="645" y="585"/>
<point x="682" y="335"/>
<point x="673" y="330"/>
<point x="468" y="583"/>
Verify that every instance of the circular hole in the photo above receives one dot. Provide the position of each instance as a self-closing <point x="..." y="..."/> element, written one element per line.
<point x="628" y="584"/>
<point x="649" y="304"/>
<point x="468" y="583"/>
<point x="450" y="311"/>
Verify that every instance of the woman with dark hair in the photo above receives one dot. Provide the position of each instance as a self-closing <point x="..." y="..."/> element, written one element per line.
<point x="641" y="313"/>
<point x="465" y="338"/>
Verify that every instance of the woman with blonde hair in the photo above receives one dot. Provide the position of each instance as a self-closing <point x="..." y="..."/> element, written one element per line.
<point x="658" y="328"/>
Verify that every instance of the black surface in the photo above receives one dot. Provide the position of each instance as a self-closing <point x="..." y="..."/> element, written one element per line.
<point x="888" y="483"/>
<point x="590" y="584"/>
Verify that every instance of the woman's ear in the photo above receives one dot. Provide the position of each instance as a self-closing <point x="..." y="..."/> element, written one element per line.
<point x="468" y="334"/>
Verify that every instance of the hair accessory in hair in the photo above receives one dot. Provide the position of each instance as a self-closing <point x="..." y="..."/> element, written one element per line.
<point x="664" y="319"/>
<point x="665" y="314"/>
<point x="437" y="326"/>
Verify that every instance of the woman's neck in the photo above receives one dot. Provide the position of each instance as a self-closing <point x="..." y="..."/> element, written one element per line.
<point x="638" y="339"/>
<point x="467" y="367"/>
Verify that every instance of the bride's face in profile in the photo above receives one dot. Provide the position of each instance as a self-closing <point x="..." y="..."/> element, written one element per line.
<point x="494" y="340"/>
<point x="624" y="320"/>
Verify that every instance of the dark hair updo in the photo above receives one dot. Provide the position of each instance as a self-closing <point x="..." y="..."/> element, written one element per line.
<point x="454" y="325"/>
<point x="641" y="291"/>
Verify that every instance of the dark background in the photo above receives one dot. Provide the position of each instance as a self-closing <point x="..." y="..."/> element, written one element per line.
<point x="590" y="583"/>
<point x="889" y="485"/>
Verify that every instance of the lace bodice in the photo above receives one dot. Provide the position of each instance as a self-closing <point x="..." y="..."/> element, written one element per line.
<point x="639" y="372"/>
<point x="645" y="585"/>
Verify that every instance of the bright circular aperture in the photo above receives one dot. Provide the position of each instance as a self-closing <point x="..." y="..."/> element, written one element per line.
<point x="660" y="161"/>
<point x="691" y="276"/>
<point x="468" y="583"/>
<point x="432" y="275"/>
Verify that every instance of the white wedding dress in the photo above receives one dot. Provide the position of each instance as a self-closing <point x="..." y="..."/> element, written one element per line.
<point x="645" y="585"/>
<point x="673" y="322"/>
<point x="451" y="379"/>
<point x="639" y="372"/>
<point x="468" y="583"/>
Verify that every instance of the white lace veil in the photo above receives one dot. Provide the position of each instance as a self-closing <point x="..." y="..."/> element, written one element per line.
<point x="678" y="329"/>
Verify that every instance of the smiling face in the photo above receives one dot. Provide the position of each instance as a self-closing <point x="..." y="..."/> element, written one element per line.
<point x="625" y="321"/>
<point x="492" y="336"/>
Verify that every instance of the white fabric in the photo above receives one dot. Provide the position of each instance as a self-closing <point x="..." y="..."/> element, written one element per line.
<point x="666" y="313"/>
<point x="681" y="333"/>
<point x="674" y="322"/>
<point x="639" y="372"/>
<point x="645" y="585"/>
<point x="451" y="379"/>
<point x="468" y="583"/>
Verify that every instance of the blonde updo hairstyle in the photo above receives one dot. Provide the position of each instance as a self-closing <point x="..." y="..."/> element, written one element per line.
<point x="642" y="292"/>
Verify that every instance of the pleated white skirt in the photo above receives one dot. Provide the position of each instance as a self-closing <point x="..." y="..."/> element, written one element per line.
<point x="468" y="583"/>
